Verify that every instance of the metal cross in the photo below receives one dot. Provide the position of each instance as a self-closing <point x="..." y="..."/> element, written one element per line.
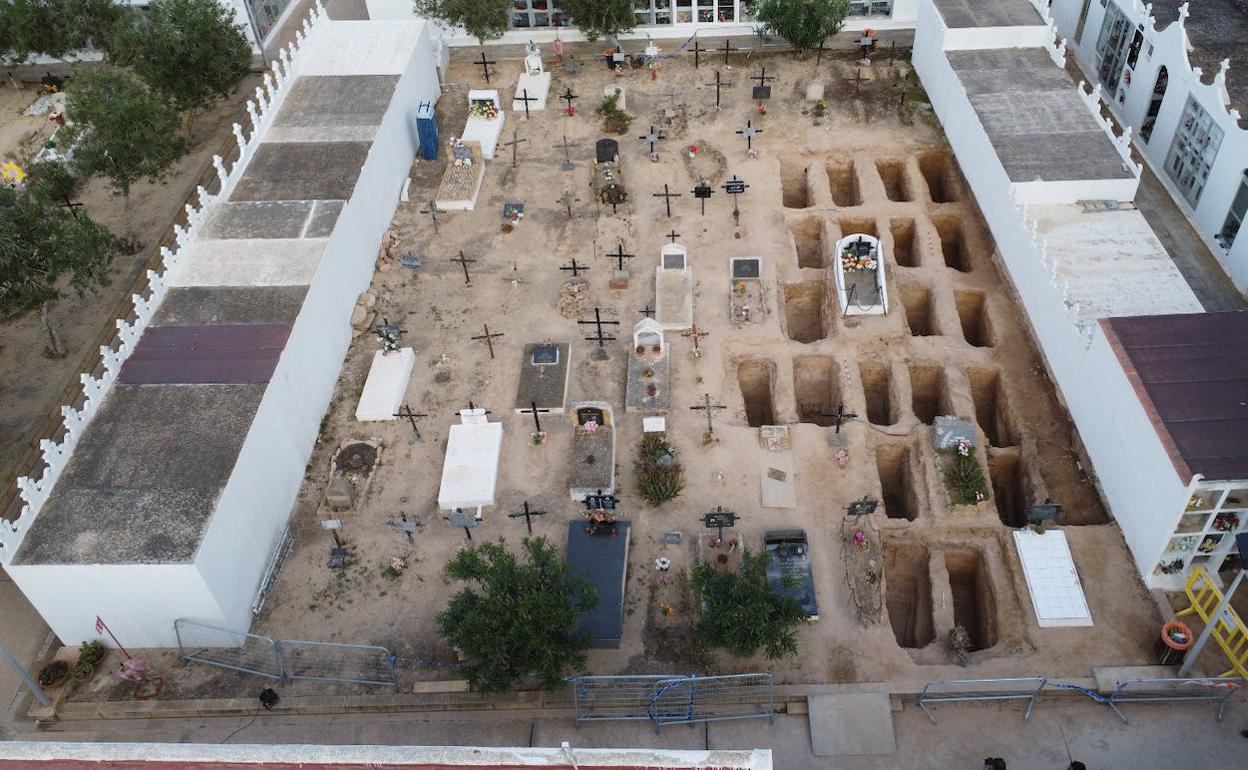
<point x="648" y="312"/>
<point x="695" y="334"/>
<point x="408" y="528"/>
<point x="73" y="206"/>
<point x="719" y="519"/>
<point x="488" y="336"/>
<point x="600" y="338"/>
<point x="667" y="196"/>
<point x="819" y="55"/>
<point x="697" y="53"/>
<point x="726" y="48"/>
<point x="473" y="407"/>
<point x="702" y="192"/>
<point x="653" y="138"/>
<point x="735" y="187"/>
<point x="569" y="97"/>
<point x="673" y="235"/>
<point x="485" y="66"/>
<point x="719" y="83"/>
<point x="749" y="132"/>
<point x="762" y="77"/>
<point x="515" y="141"/>
<point x="575" y="268"/>
<point x="709" y="407"/>
<point x="619" y="256"/>
<point x="533" y="410"/>
<point x="567" y="157"/>
<point x="464" y="264"/>
<point x="411" y="416"/>
<point x="840" y="416"/>
<point x="432" y="211"/>
<point x="566" y="200"/>
<point x="528" y="515"/>
<point x="526" y="99"/>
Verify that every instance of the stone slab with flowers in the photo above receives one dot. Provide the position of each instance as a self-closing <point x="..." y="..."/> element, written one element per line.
<point x="485" y="120"/>
<point x="461" y="182"/>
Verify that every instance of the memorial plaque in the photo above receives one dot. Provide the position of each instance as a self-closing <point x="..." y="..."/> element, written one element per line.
<point x="762" y="93"/>
<point x="949" y="431"/>
<point x="746" y="268"/>
<point x="672" y="538"/>
<point x="734" y="186"/>
<point x="674" y="261"/>
<point x="546" y="354"/>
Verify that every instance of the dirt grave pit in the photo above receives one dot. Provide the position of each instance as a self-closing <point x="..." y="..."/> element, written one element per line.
<point x="808" y="242"/>
<point x="929" y="392"/>
<point x="936" y="169"/>
<point x="755" y="378"/>
<point x="991" y="407"/>
<point x="899" y="488"/>
<point x="974" y="607"/>
<point x="805" y="311"/>
<point x="904" y="253"/>
<point x="794" y="189"/>
<point x="1008" y="476"/>
<point x="857" y="225"/>
<point x="916" y="299"/>
<point x="843" y="180"/>
<point x="877" y="386"/>
<point x="908" y="596"/>
<point x="816" y="387"/>
<point x="973" y="313"/>
<point x="952" y="243"/>
<point x="893" y="175"/>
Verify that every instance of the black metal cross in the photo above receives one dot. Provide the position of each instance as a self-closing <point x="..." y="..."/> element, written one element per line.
<point x="648" y="312"/>
<point x="567" y="157"/>
<point x="484" y="64"/>
<point x="708" y="406"/>
<point x="515" y="140"/>
<point x="533" y="410"/>
<point x="697" y="53"/>
<point x="526" y="99"/>
<point x="727" y="49"/>
<point x="566" y="200"/>
<point x="702" y="192"/>
<point x="619" y="256"/>
<point x="488" y="336"/>
<point x="749" y="132"/>
<point x="528" y="515"/>
<point x="464" y="264"/>
<point x="73" y="206"/>
<point x="472" y="407"/>
<point x="667" y="196"/>
<point x="718" y="519"/>
<point x="432" y="211"/>
<point x="411" y="416"/>
<point x="762" y="77"/>
<point x="673" y="235"/>
<point x="735" y="187"/>
<point x="719" y="83"/>
<point x="575" y="268"/>
<point x="653" y="138"/>
<point x="569" y="97"/>
<point x="600" y="338"/>
<point x="840" y="416"/>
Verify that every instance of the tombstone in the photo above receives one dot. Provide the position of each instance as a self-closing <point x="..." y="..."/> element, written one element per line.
<point x="485" y="120"/>
<point x="745" y="290"/>
<point x="673" y="289"/>
<point x="612" y="90"/>
<point x="461" y="181"/>
<point x="606" y="151"/>
<point x="647" y="391"/>
<point x="470" y="470"/>
<point x="534" y="82"/>
<point x="949" y="431"/>
<point x="814" y="91"/>
<point x="608" y="179"/>
<point x="544" y="372"/>
<point x="387" y="382"/>
<point x="593" y="450"/>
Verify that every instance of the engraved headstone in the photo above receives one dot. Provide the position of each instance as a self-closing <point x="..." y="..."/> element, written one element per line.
<point x="949" y="431"/>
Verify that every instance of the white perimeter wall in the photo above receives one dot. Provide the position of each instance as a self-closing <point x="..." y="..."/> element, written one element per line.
<point x="1170" y="50"/>
<point x="1137" y="478"/>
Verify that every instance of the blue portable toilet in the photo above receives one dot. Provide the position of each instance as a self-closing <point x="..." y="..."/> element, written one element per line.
<point x="427" y="131"/>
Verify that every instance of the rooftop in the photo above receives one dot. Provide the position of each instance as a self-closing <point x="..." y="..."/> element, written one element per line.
<point x="1035" y="119"/>
<point x="962" y="14"/>
<point x="1217" y="30"/>
<point x="1191" y="374"/>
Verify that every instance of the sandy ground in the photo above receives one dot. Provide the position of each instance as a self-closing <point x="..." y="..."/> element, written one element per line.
<point x="32" y="385"/>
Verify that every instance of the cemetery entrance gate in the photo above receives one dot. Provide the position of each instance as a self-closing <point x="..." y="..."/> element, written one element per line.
<point x="669" y="700"/>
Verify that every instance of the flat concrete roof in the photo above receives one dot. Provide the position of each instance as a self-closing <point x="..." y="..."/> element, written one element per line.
<point x="1034" y="118"/>
<point x="1217" y="30"/>
<point x="964" y="14"/>
<point x="230" y="305"/>
<point x="346" y="108"/>
<point x="291" y="171"/>
<point x="144" y="479"/>
<point x="273" y="219"/>
<point x="203" y="354"/>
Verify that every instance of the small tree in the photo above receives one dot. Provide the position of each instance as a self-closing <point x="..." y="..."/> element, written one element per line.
<point x="123" y="131"/>
<point x="516" y="617"/>
<point x="483" y="19"/>
<point x="600" y="18"/>
<point x="41" y="245"/>
<point x="804" y="23"/>
<point x="53" y="28"/>
<point x="742" y="613"/>
<point x="192" y="52"/>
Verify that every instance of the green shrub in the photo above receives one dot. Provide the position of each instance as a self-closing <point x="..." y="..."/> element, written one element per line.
<point x="964" y="479"/>
<point x="660" y="476"/>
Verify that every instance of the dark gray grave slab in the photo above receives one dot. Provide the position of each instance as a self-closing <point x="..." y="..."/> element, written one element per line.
<point x="647" y="371"/>
<point x="343" y="100"/>
<point x="593" y="460"/>
<point x="203" y="305"/>
<point x="324" y="217"/>
<point x="221" y="353"/>
<point x="602" y="559"/>
<point x="259" y="219"/>
<point x="788" y="567"/>
<point x="673" y="261"/>
<point x="544" y="383"/>
<point x="294" y="171"/>
<point x="967" y="14"/>
<point x="144" y="479"/>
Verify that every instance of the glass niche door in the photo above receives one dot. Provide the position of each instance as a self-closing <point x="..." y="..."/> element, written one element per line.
<point x="1205" y="535"/>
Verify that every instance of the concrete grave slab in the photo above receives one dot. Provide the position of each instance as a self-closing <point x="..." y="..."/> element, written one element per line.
<point x="276" y="262"/>
<point x="673" y="291"/>
<point x="293" y="171"/>
<point x="203" y="305"/>
<point x="324" y="217"/>
<point x="386" y="385"/>
<point x="966" y="14"/>
<point x="258" y="219"/>
<point x="544" y="383"/>
<point x="219" y="353"/>
<point x="854" y="724"/>
<point x="776" y="479"/>
<point x="470" y="471"/>
<point x="343" y="100"/>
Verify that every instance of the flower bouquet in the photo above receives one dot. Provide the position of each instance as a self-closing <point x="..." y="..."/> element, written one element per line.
<point x="852" y="261"/>
<point x="483" y="108"/>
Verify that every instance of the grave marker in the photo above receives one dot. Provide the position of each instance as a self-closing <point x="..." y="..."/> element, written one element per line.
<point x="719" y="519"/>
<point x="619" y="256"/>
<point x="485" y="66"/>
<point x="673" y="235"/>
<point x="432" y="211"/>
<point x="840" y="416"/>
<point x="719" y="83"/>
<point x="488" y="336"/>
<point x="667" y="196"/>
<point x="727" y="49"/>
<point x="653" y="138"/>
<point x="948" y="432"/>
<point x="648" y="312"/>
<point x="708" y="407"/>
<point x="525" y="98"/>
<point x="598" y="323"/>
<point x="762" y="91"/>
<point x="463" y="262"/>
<point x="411" y="416"/>
<point x="533" y="410"/>
<point x="569" y="97"/>
<point x="567" y="157"/>
<point x="575" y="268"/>
<point x="528" y="515"/>
<point x="697" y="53"/>
<point x="695" y="334"/>
<point x="749" y="132"/>
<point x="466" y="521"/>
<point x="702" y="192"/>
<point x="515" y="141"/>
<point x="405" y="527"/>
<point x="566" y="200"/>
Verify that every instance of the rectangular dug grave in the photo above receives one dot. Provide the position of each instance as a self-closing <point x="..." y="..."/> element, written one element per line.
<point x="805" y="314"/>
<point x="899" y="490"/>
<point x="893" y="175"/>
<point x="909" y="596"/>
<point x="920" y="312"/>
<point x="809" y="242"/>
<point x="877" y="385"/>
<point x="843" y="179"/>
<point x="1008" y="476"/>
<point x="974" y="607"/>
<point x="295" y="171"/>
<point x="816" y="386"/>
<point x="794" y="189"/>
<point x="904" y="253"/>
<point x="973" y="313"/>
<point x="991" y="408"/>
<point x="952" y="243"/>
<point x="755" y="377"/>
<point x="184" y="355"/>
<point x="928" y="392"/>
<point x="937" y="170"/>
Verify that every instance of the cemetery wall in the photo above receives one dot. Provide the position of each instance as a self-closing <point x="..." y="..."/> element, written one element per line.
<point x="1130" y="103"/>
<point x="1135" y="475"/>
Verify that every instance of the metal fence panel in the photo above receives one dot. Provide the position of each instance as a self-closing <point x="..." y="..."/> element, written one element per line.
<point x="673" y="699"/>
<point x="1141" y="690"/>
<point x="332" y="662"/>
<point x="223" y="648"/>
<point x="1019" y="688"/>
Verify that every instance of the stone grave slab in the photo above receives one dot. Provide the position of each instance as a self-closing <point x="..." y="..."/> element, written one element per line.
<point x="258" y="219"/>
<point x="544" y="375"/>
<point x="778" y="485"/>
<point x="852" y="724"/>
<point x="1052" y="580"/>
<point x="294" y="171"/>
<point x="484" y="130"/>
<point x="324" y="218"/>
<point x="470" y="471"/>
<point x="602" y="559"/>
<point x="275" y="262"/>
<point x="386" y="385"/>
<point x="648" y="371"/>
<point x="948" y="431"/>
<point x="342" y="100"/>
<point x="593" y="452"/>
<point x="190" y="355"/>
<point x="537" y="87"/>
<point x="673" y="292"/>
<point x="461" y="184"/>
<point x="203" y="305"/>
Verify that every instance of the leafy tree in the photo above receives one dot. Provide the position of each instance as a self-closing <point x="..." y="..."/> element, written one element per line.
<point x="483" y="19"/>
<point x="600" y="18"/>
<point x="192" y="52"/>
<point x="804" y="23"/>
<point x="123" y="131"/>
<point x="742" y="613"/>
<point x="52" y="179"/>
<point x="53" y="28"/>
<point x="43" y="247"/>
<point x="516" y="617"/>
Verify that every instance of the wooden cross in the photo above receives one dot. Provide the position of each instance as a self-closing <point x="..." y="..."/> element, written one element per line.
<point x="695" y="334"/>
<point x="653" y="138"/>
<point x="749" y="132"/>
<point x="709" y="407"/>
<point x="569" y="97"/>
<point x="840" y="416"/>
<point x="648" y="312"/>
<point x="819" y="55"/>
<point x="464" y="264"/>
<point x="567" y="157"/>
<point x="528" y="515"/>
<point x="667" y="196"/>
<point x="533" y="410"/>
<point x="575" y="268"/>
<point x="726" y="48"/>
<point x="697" y="53"/>
<point x="411" y="416"/>
<point x="73" y="206"/>
<point x="432" y="211"/>
<point x="485" y="66"/>
<point x="488" y="336"/>
<point x="566" y="200"/>
<point x="619" y="256"/>
<point x="762" y="77"/>
<point x="526" y="99"/>
<point x="719" y="83"/>
<point x="515" y="141"/>
<point x="600" y="338"/>
<point x="673" y="235"/>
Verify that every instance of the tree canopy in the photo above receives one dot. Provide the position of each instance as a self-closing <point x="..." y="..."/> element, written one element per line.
<point x="483" y="19"/>
<point x="191" y="52"/>
<point x="600" y="18"/>
<point x="742" y="613"/>
<point x="804" y="23"/>
<point x="53" y="28"/>
<point x="516" y="617"/>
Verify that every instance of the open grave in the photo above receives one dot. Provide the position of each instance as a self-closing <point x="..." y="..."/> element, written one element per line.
<point x="755" y="378"/>
<point x="893" y="175"/>
<point x="920" y="312"/>
<point x="805" y="314"/>
<point x="855" y="225"/>
<point x="1008" y="476"/>
<point x="974" y="607"/>
<point x="952" y="244"/>
<point x="816" y="387"/>
<point x="808" y="241"/>
<point x="928" y="392"/>
<point x="973" y="313"/>
<point x="877" y="385"/>
<point x="904" y="253"/>
<point x="899" y="488"/>
<point x="794" y="189"/>
<point x="937" y="170"/>
<point x="991" y="409"/>
<point x="843" y="180"/>
<point x="909" y="594"/>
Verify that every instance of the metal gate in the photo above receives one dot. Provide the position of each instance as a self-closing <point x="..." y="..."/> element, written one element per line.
<point x="666" y="700"/>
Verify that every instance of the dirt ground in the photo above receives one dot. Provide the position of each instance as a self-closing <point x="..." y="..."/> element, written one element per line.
<point x="32" y="385"/>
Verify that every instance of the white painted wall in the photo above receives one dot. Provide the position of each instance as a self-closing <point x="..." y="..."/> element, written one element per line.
<point x="1170" y="50"/>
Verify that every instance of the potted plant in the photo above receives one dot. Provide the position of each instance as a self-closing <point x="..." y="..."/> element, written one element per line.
<point x="54" y="674"/>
